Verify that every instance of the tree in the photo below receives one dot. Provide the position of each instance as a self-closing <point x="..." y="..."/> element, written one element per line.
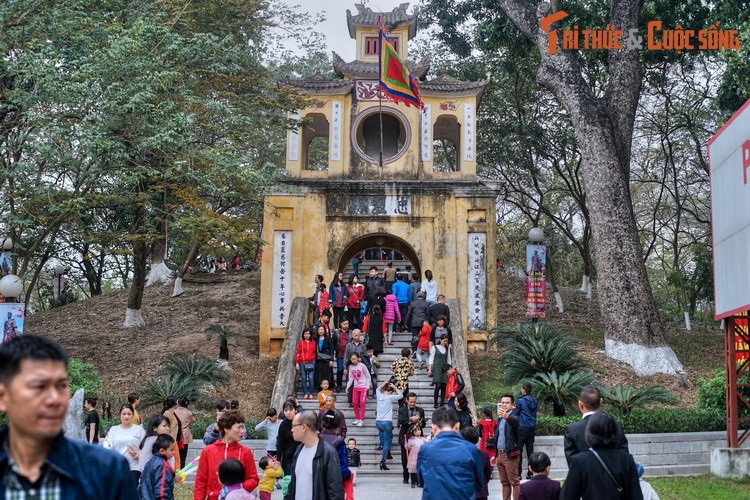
<point x="600" y="94"/>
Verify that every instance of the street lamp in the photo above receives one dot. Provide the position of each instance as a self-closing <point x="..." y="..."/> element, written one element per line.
<point x="11" y="286"/>
<point x="57" y="286"/>
<point x="536" y="235"/>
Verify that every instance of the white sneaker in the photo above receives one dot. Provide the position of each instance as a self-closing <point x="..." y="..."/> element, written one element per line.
<point x="360" y="423"/>
<point x="355" y="422"/>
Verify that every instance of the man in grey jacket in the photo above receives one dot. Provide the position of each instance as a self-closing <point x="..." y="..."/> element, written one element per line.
<point x="316" y="473"/>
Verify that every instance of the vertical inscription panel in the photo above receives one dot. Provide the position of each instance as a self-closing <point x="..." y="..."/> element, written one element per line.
<point x="477" y="282"/>
<point x="281" y="299"/>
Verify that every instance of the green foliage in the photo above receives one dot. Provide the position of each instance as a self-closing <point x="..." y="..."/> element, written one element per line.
<point x="157" y="388"/>
<point x="531" y="349"/>
<point x="650" y="421"/>
<point x="561" y="389"/>
<point x="624" y="399"/>
<point x="199" y="369"/>
<point x="712" y="392"/>
<point x="700" y="487"/>
<point x="83" y="376"/>
<point x="223" y="337"/>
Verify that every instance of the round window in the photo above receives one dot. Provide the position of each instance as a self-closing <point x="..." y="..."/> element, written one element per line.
<point x="368" y="140"/>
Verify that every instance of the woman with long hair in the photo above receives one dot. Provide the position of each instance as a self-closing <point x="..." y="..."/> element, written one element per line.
<point x="337" y="296"/>
<point x="285" y="443"/>
<point x="605" y="470"/>
<point x="487" y="430"/>
<point x="156" y="426"/>
<point x="465" y="418"/>
<point x="304" y="361"/>
<point x="329" y="433"/>
<point x="374" y="329"/>
<point x="355" y="294"/>
<point x="126" y="437"/>
<point x="324" y="357"/>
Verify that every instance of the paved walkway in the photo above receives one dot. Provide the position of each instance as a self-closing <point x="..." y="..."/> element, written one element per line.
<point x="373" y="487"/>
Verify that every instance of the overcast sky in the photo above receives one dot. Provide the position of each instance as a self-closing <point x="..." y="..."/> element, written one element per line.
<point x="334" y="27"/>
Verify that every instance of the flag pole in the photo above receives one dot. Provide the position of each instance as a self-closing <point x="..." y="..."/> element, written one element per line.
<point x="380" y="95"/>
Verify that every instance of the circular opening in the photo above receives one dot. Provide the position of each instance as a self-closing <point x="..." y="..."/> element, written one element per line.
<point x="366" y="135"/>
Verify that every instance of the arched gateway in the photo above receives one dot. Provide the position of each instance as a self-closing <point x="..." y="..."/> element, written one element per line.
<point x="425" y="202"/>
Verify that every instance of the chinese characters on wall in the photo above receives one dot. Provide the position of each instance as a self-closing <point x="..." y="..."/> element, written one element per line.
<point x="336" y="131"/>
<point x="426" y="133"/>
<point x="281" y="300"/>
<point x="388" y="204"/>
<point x="293" y="140"/>
<point x="469" y="132"/>
<point x="477" y="282"/>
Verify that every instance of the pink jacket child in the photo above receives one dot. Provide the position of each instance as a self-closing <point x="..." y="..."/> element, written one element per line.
<point x="359" y="382"/>
<point x="391" y="313"/>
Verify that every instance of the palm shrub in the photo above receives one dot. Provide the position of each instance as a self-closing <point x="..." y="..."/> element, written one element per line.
<point x="157" y="388"/>
<point x="223" y="336"/>
<point x="561" y="389"/>
<point x="530" y="349"/>
<point x="199" y="369"/>
<point x="624" y="399"/>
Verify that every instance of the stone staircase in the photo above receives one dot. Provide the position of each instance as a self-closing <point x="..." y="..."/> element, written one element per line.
<point x="367" y="435"/>
<point x="364" y="267"/>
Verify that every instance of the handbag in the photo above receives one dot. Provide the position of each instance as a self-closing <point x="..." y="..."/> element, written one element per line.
<point x="491" y="442"/>
<point x="310" y="366"/>
<point x="363" y="307"/>
<point x="324" y="356"/>
<point x="609" y="473"/>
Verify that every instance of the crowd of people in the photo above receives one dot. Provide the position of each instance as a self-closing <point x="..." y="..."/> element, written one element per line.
<point x="308" y="454"/>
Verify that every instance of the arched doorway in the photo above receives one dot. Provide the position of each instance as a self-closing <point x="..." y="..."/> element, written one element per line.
<point x="379" y="241"/>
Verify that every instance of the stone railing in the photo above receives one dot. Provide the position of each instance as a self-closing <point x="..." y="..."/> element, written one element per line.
<point x="285" y="373"/>
<point x="460" y="360"/>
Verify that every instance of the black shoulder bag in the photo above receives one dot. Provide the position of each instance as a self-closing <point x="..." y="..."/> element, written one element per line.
<point x="609" y="473"/>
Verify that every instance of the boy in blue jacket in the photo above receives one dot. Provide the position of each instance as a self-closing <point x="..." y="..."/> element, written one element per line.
<point x="157" y="480"/>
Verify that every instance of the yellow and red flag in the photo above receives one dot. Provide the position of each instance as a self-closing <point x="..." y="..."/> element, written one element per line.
<point x="395" y="80"/>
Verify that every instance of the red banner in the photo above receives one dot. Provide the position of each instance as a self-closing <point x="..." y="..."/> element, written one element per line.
<point x="536" y="285"/>
<point x="741" y="337"/>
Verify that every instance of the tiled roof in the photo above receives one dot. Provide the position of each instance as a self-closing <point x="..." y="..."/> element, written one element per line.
<point x="397" y="17"/>
<point x="362" y="69"/>
<point x="448" y="84"/>
<point x="320" y="83"/>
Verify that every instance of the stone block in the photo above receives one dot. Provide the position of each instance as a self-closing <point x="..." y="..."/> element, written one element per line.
<point x="676" y="447"/>
<point x="730" y="462"/>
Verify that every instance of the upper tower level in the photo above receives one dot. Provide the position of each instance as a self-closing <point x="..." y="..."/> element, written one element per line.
<point x="351" y="123"/>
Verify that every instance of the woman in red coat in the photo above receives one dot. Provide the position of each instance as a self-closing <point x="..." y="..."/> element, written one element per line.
<point x="207" y="484"/>
<point x="304" y="361"/>
<point x="355" y="295"/>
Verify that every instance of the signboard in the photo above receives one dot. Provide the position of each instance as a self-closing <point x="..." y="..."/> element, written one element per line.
<point x="469" y="141"/>
<point x="729" y="158"/>
<point x="11" y="316"/>
<point x="293" y="140"/>
<point x="536" y="285"/>
<point x="741" y="336"/>
<point x="477" y="280"/>
<point x="281" y="299"/>
<point x="5" y="263"/>
<point x="386" y="204"/>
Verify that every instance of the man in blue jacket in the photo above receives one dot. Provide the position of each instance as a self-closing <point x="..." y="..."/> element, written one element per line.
<point x="526" y="407"/>
<point x="449" y="466"/>
<point x="36" y="459"/>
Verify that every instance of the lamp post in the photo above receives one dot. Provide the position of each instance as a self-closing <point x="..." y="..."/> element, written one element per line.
<point x="11" y="287"/>
<point x="536" y="255"/>
<point x="59" y="281"/>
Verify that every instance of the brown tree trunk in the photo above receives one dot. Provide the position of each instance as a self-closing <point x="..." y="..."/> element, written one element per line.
<point x="604" y="129"/>
<point x="192" y="254"/>
<point x="133" y="316"/>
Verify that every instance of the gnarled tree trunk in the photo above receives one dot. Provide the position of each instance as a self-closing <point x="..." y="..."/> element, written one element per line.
<point x="604" y="129"/>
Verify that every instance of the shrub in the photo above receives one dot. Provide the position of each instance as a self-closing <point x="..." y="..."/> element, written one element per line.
<point x="650" y="421"/>
<point x="158" y="388"/>
<point x="530" y="349"/>
<point x="199" y="369"/>
<point x="561" y="389"/>
<point x="223" y="337"/>
<point x="712" y="392"/>
<point x="83" y="376"/>
<point x="627" y="398"/>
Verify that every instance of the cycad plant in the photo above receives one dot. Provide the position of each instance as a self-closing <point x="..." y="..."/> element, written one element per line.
<point x="199" y="369"/>
<point x="223" y="337"/>
<point x="530" y="349"/>
<point x="157" y="388"/>
<point x="561" y="389"/>
<point x="626" y="398"/>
